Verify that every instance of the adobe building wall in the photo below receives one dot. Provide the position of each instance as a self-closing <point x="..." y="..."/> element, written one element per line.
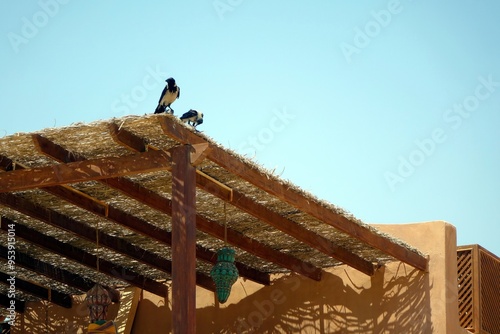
<point x="397" y="299"/>
<point x="44" y="317"/>
<point x="438" y="240"/>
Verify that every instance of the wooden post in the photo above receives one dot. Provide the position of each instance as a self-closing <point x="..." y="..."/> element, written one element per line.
<point x="183" y="242"/>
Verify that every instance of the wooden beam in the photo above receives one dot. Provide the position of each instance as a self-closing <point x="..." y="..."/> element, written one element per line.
<point x="19" y="305"/>
<point x="285" y="225"/>
<point x="213" y="186"/>
<point x="46" y="269"/>
<point x="198" y="153"/>
<point x="137" y="225"/>
<point x="234" y="237"/>
<point x="123" y="218"/>
<point x="6" y="164"/>
<point x="70" y="194"/>
<point x="183" y="242"/>
<point x="43" y="144"/>
<point x="127" y="138"/>
<point x="80" y="256"/>
<point x="152" y="199"/>
<point x="293" y="229"/>
<point x="295" y="198"/>
<point x="82" y="171"/>
<point x="135" y="143"/>
<point x="80" y="229"/>
<point x="114" y="243"/>
<point x="53" y="296"/>
<point x="117" y="244"/>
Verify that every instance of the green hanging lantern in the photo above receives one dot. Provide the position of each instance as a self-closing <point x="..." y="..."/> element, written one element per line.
<point x="224" y="273"/>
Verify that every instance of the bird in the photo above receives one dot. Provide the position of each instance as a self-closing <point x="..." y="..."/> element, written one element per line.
<point x="170" y="93"/>
<point x="192" y="117"/>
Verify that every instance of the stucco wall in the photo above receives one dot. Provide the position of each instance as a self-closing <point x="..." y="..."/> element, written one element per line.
<point x="50" y="318"/>
<point x="438" y="240"/>
<point x="397" y="299"/>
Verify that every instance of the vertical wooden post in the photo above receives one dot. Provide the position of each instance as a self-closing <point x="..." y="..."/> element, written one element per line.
<point x="183" y="242"/>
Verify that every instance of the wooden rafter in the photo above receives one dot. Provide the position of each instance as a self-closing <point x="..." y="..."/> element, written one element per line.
<point x="234" y="237"/>
<point x="293" y="197"/>
<point x="224" y="182"/>
<point x="49" y="270"/>
<point x="263" y="213"/>
<point x="123" y="218"/>
<point x="90" y="260"/>
<point x="112" y="242"/>
<point x="274" y="219"/>
<point x="86" y="170"/>
<point x="147" y="197"/>
<point x="54" y="296"/>
<point x="291" y="228"/>
<point x="19" y="305"/>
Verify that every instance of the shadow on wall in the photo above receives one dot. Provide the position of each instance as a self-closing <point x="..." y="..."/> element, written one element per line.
<point x="152" y="318"/>
<point x="50" y="318"/>
<point x="395" y="301"/>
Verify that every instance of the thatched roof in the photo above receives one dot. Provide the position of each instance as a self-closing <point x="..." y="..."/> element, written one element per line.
<point x="273" y="224"/>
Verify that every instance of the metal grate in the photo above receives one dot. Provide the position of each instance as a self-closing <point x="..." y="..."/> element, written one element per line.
<point x="478" y="290"/>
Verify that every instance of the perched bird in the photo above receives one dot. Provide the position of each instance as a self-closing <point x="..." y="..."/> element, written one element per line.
<point x="170" y="93"/>
<point x="193" y="118"/>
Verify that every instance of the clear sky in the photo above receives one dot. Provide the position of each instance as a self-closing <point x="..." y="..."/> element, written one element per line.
<point x="389" y="109"/>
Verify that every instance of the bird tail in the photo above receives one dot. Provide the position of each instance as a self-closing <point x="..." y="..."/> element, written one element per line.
<point x="160" y="109"/>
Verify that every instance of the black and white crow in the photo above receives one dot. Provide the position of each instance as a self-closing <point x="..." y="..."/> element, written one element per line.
<point x="170" y="93"/>
<point x="193" y="118"/>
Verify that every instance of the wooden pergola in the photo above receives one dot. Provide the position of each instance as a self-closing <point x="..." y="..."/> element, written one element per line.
<point x="144" y="201"/>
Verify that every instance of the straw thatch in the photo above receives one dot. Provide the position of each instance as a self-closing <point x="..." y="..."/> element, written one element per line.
<point x="94" y="141"/>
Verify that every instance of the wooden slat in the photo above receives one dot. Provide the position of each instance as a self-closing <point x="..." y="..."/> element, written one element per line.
<point x="54" y="296"/>
<point x="235" y="238"/>
<point x="183" y="242"/>
<point x="476" y="296"/>
<point x="489" y="290"/>
<point x="150" y="198"/>
<point x="465" y="289"/>
<point x="293" y="197"/>
<point x="478" y="286"/>
<point x="87" y="170"/>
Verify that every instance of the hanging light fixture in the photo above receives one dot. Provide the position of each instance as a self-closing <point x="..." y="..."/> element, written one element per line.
<point x="224" y="273"/>
<point x="98" y="300"/>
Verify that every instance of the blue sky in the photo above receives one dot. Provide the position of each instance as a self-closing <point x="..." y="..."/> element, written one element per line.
<point x="389" y="109"/>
